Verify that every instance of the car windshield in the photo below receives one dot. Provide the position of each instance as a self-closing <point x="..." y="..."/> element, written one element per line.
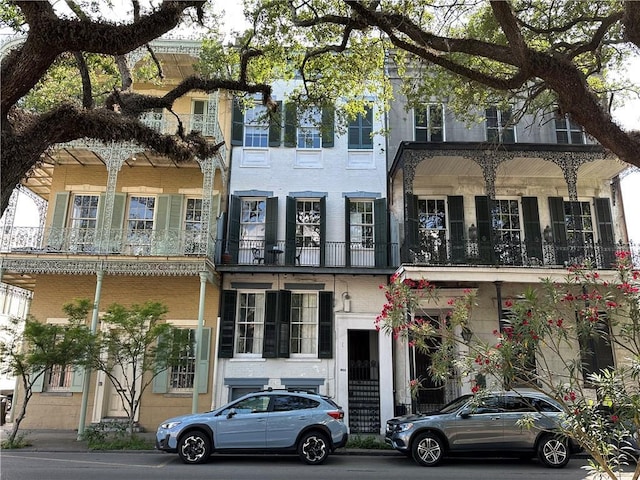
<point x="455" y="404"/>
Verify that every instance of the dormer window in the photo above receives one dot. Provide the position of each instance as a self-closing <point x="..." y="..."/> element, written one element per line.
<point x="569" y="132"/>
<point x="429" y="123"/>
<point x="500" y="128"/>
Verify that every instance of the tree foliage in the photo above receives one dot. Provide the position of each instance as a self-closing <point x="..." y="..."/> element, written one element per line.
<point x="133" y="347"/>
<point x="545" y="55"/>
<point x="90" y="103"/>
<point x="30" y="349"/>
<point x="545" y="344"/>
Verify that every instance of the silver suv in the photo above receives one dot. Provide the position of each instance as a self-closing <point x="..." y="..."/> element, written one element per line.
<point x="487" y="424"/>
<point x="282" y="421"/>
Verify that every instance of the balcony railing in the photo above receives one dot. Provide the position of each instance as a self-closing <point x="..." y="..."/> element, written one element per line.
<point x="168" y="124"/>
<point x="330" y="254"/>
<point x="82" y="241"/>
<point x="523" y="254"/>
<point x="282" y="253"/>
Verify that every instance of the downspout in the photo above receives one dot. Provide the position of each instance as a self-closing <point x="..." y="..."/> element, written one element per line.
<point x="196" y="383"/>
<point x="86" y="383"/>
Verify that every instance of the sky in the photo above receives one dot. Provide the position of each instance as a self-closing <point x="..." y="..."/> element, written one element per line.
<point x="628" y="116"/>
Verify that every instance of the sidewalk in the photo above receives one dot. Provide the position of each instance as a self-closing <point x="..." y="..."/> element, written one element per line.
<point x="55" y="440"/>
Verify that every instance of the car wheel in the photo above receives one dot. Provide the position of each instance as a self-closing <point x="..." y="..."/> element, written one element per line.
<point x="313" y="448"/>
<point x="427" y="450"/>
<point x="553" y="451"/>
<point x="194" y="447"/>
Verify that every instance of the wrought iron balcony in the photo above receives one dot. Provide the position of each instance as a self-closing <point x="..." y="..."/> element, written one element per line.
<point x="518" y="254"/>
<point x="91" y="241"/>
<point x="331" y="254"/>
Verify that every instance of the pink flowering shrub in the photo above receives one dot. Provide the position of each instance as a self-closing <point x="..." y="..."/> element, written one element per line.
<point x="543" y="345"/>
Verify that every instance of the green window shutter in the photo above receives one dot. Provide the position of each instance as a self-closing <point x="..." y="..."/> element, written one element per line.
<point x="169" y="212"/>
<point x="237" y="124"/>
<point x="161" y="382"/>
<point x="270" y="339"/>
<point x="284" y="324"/>
<point x="77" y="379"/>
<point x="605" y="232"/>
<point x="558" y="227"/>
<point x="56" y="239"/>
<point x="290" y="124"/>
<point x="531" y="219"/>
<point x="202" y="368"/>
<point x="347" y="232"/>
<point x="290" y="232"/>
<point x="119" y="206"/>
<point x="228" y="325"/>
<point x="605" y="221"/>
<point x="456" y="228"/>
<point x="60" y="208"/>
<point x="411" y="238"/>
<point x="325" y="325"/>
<point x="275" y="127"/>
<point x="483" y="216"/>
<point x="271" y="223"/>
<point x="556" y="209"/>
<point x="327" y="130"/>
<point x="100" y="219"/>
<point x="381" y="232"/>
<point x="38" y="385"/>
<point x="233" y="239"/>
<point x="323" y="229"/>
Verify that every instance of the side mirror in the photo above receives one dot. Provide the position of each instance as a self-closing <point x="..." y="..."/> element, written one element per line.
<point x="232" y="413"/>
<point x="465" y="413"/>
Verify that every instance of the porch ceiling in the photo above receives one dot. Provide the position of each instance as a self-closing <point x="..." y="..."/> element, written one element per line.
<point x="524" y="167"/>
<point x="39" y="178"/>
<point x="176" y="66"/>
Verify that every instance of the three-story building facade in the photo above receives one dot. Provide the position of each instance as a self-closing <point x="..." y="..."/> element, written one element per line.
<point x="494" y="208"/>
<point x="306" y="249"/>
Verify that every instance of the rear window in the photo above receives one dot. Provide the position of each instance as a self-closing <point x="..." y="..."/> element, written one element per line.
<point x="285" y="403"/>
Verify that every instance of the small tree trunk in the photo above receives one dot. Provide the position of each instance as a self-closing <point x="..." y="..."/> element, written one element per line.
<point x="18" y="419"/>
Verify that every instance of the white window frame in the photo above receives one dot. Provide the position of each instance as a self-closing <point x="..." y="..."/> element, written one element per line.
<point x="144" y="247"/>
<point x="256" y="126"/>
<point x="178" y="370"/>
<point x="306" y="340"/>
<point x="429" y="127"/>
<point x="501" y="126"/>
<point x="569" y="129"/>
<point x="309" y="131"/>
<point x="83" y="236"/>
<point x="258" y="310"/>
<point x="357" y="224"/>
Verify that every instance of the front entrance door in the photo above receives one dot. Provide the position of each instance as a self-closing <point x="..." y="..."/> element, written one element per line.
<point x="115" y="406"/>
<point x="364" y="382"/>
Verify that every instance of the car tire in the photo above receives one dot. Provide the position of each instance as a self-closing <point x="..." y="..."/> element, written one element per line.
<point x="313" y="448"/>
<point x="427" y="449"/>
<point x="553" y="451"/>
<point x="194" y="447"/>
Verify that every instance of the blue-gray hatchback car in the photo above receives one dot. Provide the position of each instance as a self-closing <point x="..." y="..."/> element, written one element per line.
<point x="275" y="421"/>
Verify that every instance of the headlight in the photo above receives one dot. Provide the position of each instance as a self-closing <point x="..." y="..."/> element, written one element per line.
<point x="169" y="425"/>
<point x="403" y="427"/>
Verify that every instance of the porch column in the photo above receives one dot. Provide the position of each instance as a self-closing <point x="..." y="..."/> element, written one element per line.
<point x="87" y="371"/>
<point x="196" y="384"/>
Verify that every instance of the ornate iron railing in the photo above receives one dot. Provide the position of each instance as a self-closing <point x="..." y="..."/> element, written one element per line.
<point x="168" y="124"/>
<point x="91" y="241"/>
<point x="329" y="254"/>
<point x="519" y="254"/>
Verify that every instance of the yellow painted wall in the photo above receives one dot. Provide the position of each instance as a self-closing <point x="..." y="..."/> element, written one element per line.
<point x="180" y="294"/>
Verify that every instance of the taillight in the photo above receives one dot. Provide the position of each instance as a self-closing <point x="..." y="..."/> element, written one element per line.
<point x="337" y="414"/>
